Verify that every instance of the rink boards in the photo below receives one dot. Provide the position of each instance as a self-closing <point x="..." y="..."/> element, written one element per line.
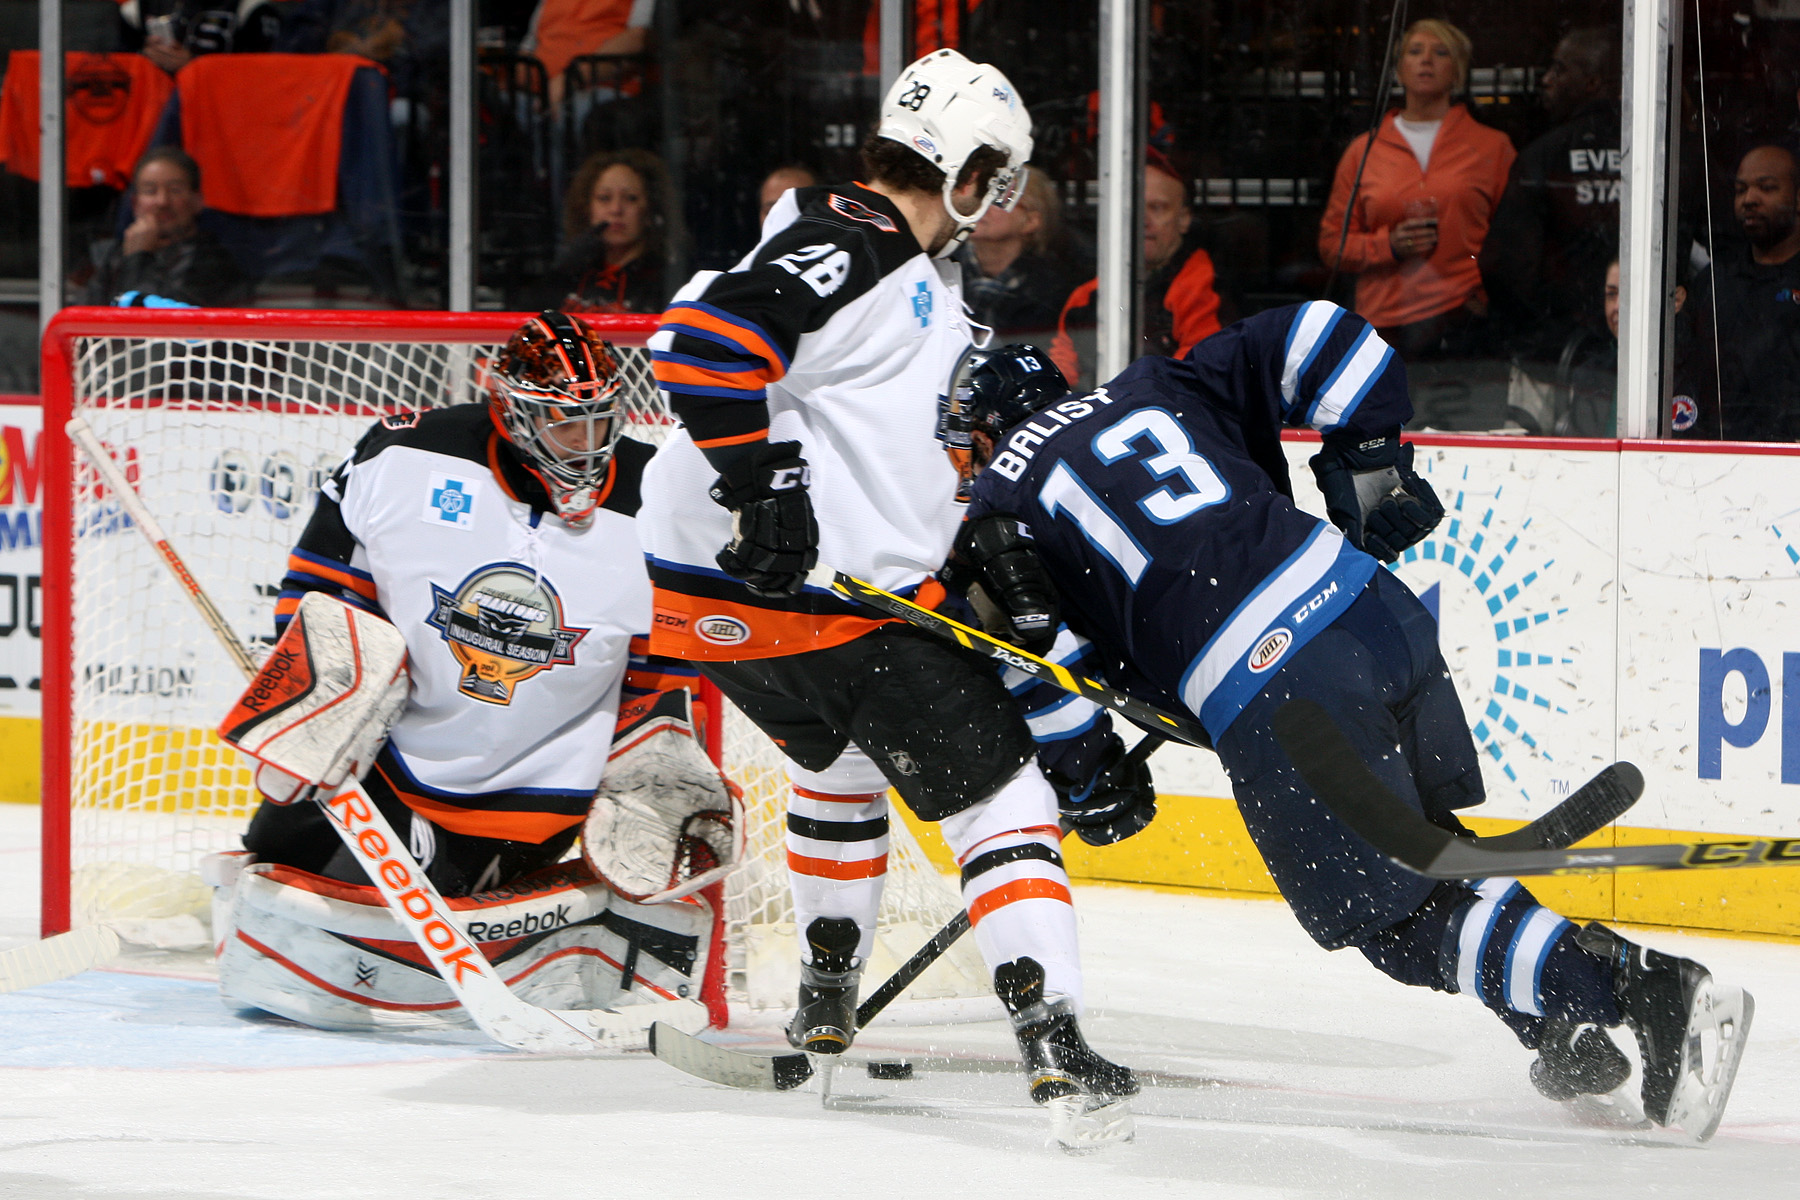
<point x="1598" y="601"/>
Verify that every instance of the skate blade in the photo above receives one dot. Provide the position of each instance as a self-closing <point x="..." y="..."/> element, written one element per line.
<point x="1079" y="1126"/>
<point x="1718" y="1026"/>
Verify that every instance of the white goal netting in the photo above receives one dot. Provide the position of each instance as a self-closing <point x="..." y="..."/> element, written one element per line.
<point x="228" y="436"/>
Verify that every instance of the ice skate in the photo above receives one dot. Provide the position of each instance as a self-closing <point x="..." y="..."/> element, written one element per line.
<point x="1690" y="1030"/>
<point x="825" y="1021"/>
<point x="1085" y="1094"/>
<point x="1577" y="1060"/>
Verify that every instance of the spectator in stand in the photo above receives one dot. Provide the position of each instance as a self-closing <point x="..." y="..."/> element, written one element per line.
<point x="1557" y="225"/>
<point x="164" y="252"/>
<point x="1421" y="208"/>
<point x="619" y="224"/>
<point x="1744" y="370"/>
<point x="1015" y="272"/>
<point x="1181" y="300"/>
<point x="171" y="33"/>
<point x="778" y="181"/>
<point x="564" y="30"/>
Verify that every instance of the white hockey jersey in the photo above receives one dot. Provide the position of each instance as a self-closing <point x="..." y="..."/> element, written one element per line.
<point x="518" y="627"/>
<point x="839" y="333"/>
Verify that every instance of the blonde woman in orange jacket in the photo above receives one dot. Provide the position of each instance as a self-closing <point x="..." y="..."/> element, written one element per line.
<point x="1423" y="205"/>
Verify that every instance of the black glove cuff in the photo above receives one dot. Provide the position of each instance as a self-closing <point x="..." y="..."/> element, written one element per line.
<point x="1364" y="453"/>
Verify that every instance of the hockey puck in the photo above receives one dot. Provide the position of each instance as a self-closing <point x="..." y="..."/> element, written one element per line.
<point x="897" y="1068"/>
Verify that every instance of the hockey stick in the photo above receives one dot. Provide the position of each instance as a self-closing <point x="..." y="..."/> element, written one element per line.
<point x="365" y="832"/>
<point x="1572" y="820"/>
<point x="780" y="1072"/>
<point x="783" y="1072"/>
<point x="1184" y="729"/>
<point x="57" y="957"/>
<point x="1344" y="782"/>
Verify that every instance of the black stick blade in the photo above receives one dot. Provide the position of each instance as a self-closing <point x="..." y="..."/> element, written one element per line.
<point x="1594" y="805"/>
<point x="1338" y="776"/>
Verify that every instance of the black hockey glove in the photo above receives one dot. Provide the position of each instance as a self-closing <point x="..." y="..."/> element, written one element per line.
<point x="775" y="540"/>
<point x="1119" y="801"/>
<point x="995" y="565"/>
<point x="1372" y="494"/>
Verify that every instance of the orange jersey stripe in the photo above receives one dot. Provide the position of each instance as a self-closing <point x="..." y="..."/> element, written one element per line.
<point x="1011" y="893"/>
<point x="749" y="339"/>
<point x="826" y="868"/>
<point x="343" y="578"/>
<point x="696" y="628"/>
<point x="535" y="828"/>
<point x="736" y="439"/>
<point x="673" y="374"/>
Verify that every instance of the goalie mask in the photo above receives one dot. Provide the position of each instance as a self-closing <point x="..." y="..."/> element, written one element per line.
<point x="990" y="392"/>
<point x="946" y="108"/>
<point x="553" y="391"/>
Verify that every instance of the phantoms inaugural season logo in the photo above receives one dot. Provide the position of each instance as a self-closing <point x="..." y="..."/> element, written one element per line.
<point x="504" y="624"/>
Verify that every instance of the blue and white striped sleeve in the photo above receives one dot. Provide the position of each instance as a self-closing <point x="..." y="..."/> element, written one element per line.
<point x="1336" y="373"/>
<point x="1072" y="733"/>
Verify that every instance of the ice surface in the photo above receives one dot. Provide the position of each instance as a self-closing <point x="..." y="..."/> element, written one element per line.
<point x="1276" y="1071"/>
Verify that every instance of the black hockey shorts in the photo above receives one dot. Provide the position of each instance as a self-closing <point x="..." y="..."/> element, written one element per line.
<point x="932" y="716"/>
<point x="301" y="836"/>
<point x="1378" y="672"/>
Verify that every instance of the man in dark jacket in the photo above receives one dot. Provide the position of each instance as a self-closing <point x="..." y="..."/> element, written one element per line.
<point x="164" y="252"/>
<point x="1557" y="224"/>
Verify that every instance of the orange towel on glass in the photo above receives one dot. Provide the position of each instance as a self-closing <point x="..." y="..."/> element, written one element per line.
<point x="266" y="129"/>
<point x="114" y="103"/>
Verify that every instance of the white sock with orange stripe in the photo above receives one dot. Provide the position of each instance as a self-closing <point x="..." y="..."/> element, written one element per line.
<point x="837" y="844"/>
<point x="1013" y="880"/>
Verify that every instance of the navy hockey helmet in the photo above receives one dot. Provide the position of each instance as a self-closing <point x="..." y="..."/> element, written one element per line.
<point x="554" y="392"/>
<point x="993" y="390"/>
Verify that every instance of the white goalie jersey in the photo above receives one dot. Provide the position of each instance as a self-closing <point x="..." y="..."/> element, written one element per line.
<point x="518" y="627"/>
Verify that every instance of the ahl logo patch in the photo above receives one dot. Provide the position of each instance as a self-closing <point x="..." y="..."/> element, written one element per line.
<point x="504" y="624"/>
<point x="858" y="211"/>
<point x="1270" y="649"/>
<point x="450" y="501"/>
<point x="722" y="630"/>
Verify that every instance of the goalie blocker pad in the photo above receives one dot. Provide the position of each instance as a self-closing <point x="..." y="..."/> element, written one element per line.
<point x="330" y="954"/>
<point x="664" y="822"/>
<point x="322" y="704"/>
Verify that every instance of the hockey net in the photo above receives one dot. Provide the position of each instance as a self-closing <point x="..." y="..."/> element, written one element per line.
<point x="228" y="422"/>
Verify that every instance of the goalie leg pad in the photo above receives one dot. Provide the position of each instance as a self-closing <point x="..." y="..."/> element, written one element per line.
<point x="330" y="954"/>
<point x="323" y="702"/>
<point x="664" y="823"/>
<point x="1013" y="881"/>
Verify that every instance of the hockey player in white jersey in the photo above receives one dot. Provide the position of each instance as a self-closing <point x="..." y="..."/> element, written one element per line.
<point x="499" y="540"/>
<point x="807" y="381"/>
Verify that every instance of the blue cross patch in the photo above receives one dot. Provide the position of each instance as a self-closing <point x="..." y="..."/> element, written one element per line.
<point x="921" y="302"/>
<point x="452" y="501"/>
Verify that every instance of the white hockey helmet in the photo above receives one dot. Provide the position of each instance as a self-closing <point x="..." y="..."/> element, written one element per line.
<point x="945" y="108"/>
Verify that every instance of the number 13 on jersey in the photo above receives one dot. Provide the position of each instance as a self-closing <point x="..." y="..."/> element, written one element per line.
<point x="1166" y="452"/>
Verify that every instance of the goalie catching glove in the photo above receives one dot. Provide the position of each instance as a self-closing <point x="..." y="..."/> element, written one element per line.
<point x="1372" y="494"/>
<point x="996" y="566"/>
<point x="320" y="708"/>
<point x="664" y="822"/>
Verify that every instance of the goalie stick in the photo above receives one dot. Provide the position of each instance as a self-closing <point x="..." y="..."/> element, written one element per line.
<point x="57" y="957"/>
<point x="365" y="832"/>
<point x="1332" y="768"/>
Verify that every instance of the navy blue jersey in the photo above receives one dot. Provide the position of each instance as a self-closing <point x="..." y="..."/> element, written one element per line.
<point x="1161" y="504"/>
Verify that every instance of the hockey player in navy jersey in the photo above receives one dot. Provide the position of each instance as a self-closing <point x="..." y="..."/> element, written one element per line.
<point x="499" y="540"/>
<point x="1161" y="508"/>
<point x="806" y="379"/>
